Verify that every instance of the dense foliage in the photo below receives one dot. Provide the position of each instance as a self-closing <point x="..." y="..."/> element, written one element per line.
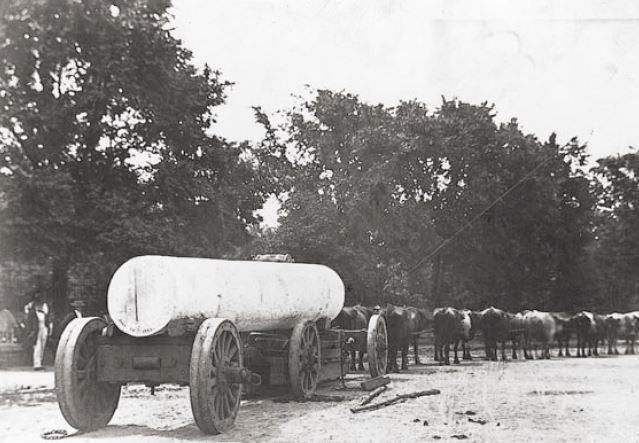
<point x="106" y="140"/>
<point x="107" y="151"/>
<point x="617" y="248"/>
<point x="376" y="190"/>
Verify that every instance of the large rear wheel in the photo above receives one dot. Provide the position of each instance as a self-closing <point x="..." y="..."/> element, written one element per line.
<point x="86" y="403"/>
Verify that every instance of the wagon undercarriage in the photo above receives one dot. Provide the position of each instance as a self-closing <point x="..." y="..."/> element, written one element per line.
<point x="217" y="362"/>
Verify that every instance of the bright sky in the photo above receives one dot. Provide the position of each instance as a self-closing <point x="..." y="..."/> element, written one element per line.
<point x="568" y="66"/>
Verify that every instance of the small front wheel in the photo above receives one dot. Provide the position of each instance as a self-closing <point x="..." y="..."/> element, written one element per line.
<point x="377" y="346"/>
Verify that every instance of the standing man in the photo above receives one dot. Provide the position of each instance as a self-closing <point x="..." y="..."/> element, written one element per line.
<point x="37" y="312"/>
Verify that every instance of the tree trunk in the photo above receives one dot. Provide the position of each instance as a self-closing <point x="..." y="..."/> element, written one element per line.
<point x="59" y="286"/>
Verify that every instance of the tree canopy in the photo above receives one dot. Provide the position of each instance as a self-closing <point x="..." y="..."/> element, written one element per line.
<point x="108" y="150"/>
<point x="376" y="189"/>
<point x="107" y="139"/>
<point x="616" y="185"/>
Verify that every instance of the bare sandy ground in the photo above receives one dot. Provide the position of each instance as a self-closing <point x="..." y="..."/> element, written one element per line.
<point x="584" y="400"/>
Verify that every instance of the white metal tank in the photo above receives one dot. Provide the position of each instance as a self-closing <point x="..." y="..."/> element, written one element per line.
<point x="147" y="292"/>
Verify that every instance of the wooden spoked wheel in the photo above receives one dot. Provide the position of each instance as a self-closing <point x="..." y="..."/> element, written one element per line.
<point x="215" y="396"/>
<point x="304" y="359"/>
<point x="377" y="346"/>
<point x="86" y="403"/>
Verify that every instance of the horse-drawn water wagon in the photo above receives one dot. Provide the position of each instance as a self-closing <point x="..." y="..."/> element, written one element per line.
<point x="214" y="325"/>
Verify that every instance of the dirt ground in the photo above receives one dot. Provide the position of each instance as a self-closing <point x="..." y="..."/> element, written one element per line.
<point x="568" y="399"/>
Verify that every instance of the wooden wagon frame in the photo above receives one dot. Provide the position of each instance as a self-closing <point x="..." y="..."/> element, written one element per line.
<point x="94" y="359"/>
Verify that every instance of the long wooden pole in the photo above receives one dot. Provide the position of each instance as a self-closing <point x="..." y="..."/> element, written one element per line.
<point x="400" y="398"/>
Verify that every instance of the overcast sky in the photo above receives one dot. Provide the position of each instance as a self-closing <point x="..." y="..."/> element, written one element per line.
<point x="565" y="66"/>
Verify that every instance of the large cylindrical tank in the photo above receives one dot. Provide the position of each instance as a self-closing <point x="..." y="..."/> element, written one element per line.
<point x="147" y="292"/>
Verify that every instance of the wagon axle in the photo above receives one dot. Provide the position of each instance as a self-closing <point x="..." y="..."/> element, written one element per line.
<point x="242" y="376"/>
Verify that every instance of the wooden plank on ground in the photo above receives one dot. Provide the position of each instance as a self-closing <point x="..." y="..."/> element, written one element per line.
<point x="369" y="385"/>
<point x="376" y="393"/>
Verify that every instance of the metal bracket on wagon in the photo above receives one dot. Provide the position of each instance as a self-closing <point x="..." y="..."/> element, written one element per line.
<point x="244" y="376"/>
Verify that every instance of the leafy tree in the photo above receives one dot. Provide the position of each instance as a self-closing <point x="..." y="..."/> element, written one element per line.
<point x="615" y="252"/>
<point x="511" y="213"/>
<point x="106" y="140"/>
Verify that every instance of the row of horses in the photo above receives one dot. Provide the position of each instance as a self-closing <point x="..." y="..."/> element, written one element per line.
<point x="530" y="332"/>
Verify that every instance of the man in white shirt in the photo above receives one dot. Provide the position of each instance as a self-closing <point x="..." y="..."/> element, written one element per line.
<point x="38" y="311"/>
